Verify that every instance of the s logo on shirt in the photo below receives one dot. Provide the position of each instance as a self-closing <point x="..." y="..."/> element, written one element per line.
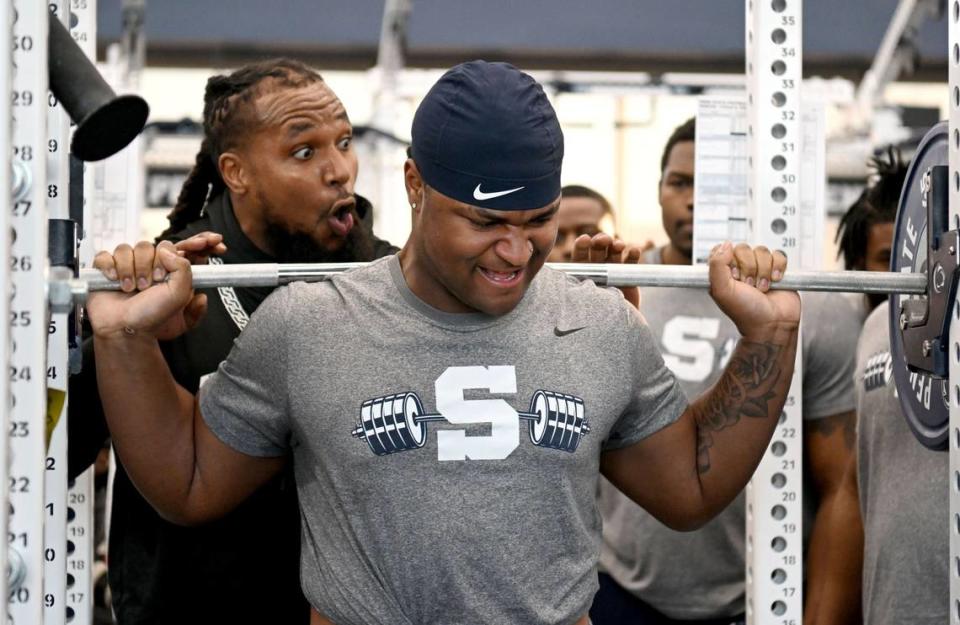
<point x="504" y="423"/>
<point x="688" y="349"/>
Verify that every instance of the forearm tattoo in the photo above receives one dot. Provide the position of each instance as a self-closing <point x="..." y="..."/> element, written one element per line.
<point x="745" y="388"/>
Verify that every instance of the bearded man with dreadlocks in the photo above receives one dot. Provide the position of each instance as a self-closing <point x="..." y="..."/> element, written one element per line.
<point x="890" y="502"/>
<point x="273" y="182"/>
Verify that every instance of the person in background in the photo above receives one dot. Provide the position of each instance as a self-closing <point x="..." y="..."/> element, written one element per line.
<point x="651" y="574"/>
<point x="583" y="211"/>
<point x="865" y="233"/>
<point x="888" y="545"/>
<point x="273" y="182"/>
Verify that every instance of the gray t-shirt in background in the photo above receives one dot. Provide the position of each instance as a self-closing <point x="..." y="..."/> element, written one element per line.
<point x="903" y="498"/>
<point x="653" y="256"/>
<point x="423" y="536"/>
<point x="701" y="574"/>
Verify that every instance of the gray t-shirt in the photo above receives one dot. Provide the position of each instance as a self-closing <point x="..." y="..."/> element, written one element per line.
<point x="471" y="522"/>
<point x="698" y="575"/>
<point x="653" y="256"/>
<point x="903" y="498"/>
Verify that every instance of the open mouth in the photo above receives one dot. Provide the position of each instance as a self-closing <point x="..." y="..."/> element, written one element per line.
<point x="502" y="279"/>
<point x="341" y="220"/>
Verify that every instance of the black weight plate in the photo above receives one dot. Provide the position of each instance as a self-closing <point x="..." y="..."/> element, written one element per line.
<point x="578" y="423"/>
<point x="923" y="398"/>
<point x="538" y="427"/>
<point x="370" y="421"/>
<point x="406" y="408"/>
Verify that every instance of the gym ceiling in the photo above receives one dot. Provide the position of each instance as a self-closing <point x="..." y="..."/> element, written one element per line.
<point x="840" y="36"/>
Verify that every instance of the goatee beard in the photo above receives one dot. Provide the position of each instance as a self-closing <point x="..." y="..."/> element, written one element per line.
<point x="297" y="247"/>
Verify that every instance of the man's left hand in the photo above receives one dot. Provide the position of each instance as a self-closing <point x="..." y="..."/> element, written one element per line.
<point x="603" y="248"/>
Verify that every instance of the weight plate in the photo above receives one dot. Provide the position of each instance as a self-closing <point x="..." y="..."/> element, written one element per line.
<point x="406" y="408"/>
<point x="538" y="427"/>
<point x="577" y="426"/>
<point x="566" y="425"/>
<point x="923" y="398"/>
<point x="369" y="423"/>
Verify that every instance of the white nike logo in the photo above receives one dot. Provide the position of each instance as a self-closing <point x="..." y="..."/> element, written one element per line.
<point x="480" y="195"/>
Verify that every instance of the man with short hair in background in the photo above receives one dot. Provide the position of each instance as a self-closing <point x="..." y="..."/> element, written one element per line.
<point x="583" y="211"/>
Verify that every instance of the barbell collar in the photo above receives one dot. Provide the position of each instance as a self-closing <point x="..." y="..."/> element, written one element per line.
<point x="683" y="276"/>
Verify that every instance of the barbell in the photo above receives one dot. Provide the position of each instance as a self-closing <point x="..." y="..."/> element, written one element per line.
<point x="922" y="284"/>
<point x="395" y="423"/>
<point x="684" y="276"/>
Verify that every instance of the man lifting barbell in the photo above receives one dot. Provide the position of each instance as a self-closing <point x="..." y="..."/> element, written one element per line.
<point x="473" y="527"/>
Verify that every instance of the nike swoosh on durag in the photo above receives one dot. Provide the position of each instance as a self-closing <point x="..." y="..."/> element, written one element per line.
<point x="480" y="195"/>
<point x="557" y="331"/>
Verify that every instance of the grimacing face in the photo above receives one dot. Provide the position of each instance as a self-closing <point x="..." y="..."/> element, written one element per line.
<point x="301" y="164"/>
<point x="676" y="197"/>
<point x="577" y="216"/>
<point x="463" y="258"/>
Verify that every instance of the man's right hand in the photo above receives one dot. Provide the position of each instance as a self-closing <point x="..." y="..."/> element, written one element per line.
<point x="176" y="462"/>
<point x="162" y="311"/>
<point x="134" y="268"/>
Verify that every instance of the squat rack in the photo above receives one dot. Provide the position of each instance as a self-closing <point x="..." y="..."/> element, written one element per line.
<point x="48" y="552"/>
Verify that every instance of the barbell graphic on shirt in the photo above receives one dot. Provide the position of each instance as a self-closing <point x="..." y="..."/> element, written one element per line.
<point x="394" y="423"/>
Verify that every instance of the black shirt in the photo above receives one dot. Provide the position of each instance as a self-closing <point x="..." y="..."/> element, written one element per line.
<point x="243" y="568"/>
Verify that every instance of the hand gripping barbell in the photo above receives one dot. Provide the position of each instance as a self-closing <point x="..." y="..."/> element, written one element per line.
<point x="922" y="283"/>
<point x="395" y="423"/>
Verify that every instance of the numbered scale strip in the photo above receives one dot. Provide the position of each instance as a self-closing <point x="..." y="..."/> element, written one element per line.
<point x="55" y="466"/>
<point x="28" y="316"/>
<point x="80" y="505"/>
<point x="774" y="514"/>
<point x="6" y="205"/>
<point x="693" y="276"/>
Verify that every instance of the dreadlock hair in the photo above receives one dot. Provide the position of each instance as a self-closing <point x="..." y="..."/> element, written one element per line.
<point x="227" y="118"/>
<point x="876" y="205"/>
<point x="687" y="131"/>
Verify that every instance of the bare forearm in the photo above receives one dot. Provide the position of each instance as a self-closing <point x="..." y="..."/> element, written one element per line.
<point x="838" y="574"/>
<point x="829" y="454"/>
<point x="817" y="559"/>
<point x="736" y="417"/>
<point x="151" y="419"/>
